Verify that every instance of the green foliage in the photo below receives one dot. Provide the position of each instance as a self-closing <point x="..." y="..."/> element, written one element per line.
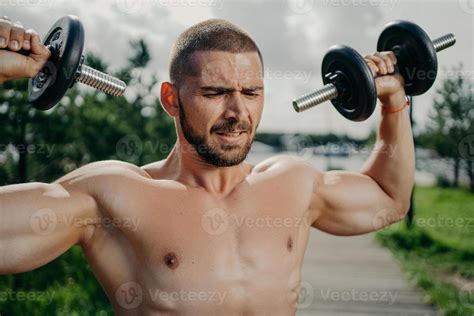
<point x="438" y="251"/>
<point x="451" y="119"/>
<point x="87" y="126"/>
<point x="447" y="215"/>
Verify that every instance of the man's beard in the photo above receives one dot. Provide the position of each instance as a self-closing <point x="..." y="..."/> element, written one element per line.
<point x="211" y="154"/>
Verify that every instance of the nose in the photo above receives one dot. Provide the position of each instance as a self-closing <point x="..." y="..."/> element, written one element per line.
<point x="236" y="108"/>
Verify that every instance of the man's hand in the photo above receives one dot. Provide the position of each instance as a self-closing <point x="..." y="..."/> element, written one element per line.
<point x="13" y="38"/>
<point x="351" y="203"/>
<point x="389" y="85"/>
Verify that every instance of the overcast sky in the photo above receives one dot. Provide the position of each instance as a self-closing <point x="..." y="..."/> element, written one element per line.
<point x="293" y="36"/>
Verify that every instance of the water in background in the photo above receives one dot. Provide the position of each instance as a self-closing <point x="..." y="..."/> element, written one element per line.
<point x="425" y="165"/>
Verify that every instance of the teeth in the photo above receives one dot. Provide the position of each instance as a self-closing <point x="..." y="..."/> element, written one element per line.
<point x="231" y="134"/>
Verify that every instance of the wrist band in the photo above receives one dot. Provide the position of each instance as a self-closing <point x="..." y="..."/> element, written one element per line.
<point x="388" y="110"/>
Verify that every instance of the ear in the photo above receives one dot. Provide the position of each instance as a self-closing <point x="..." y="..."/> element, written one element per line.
<point x="169" y="99"/>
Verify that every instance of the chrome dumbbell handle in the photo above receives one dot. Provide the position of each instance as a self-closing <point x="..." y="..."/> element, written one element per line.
<point x="88" y="76"/>
<point x="101" y="81"/>
<point x="329" y="91"/>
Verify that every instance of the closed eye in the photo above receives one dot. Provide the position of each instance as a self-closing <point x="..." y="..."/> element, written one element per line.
<point x="210" y="95"/>
<point x="251" y="94"/>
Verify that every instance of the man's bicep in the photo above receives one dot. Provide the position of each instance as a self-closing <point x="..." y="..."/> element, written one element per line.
<point x="350" y="203"/>
<point x="39" y="222"/>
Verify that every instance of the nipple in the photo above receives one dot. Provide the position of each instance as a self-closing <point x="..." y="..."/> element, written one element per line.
<point x="171" y="260"/>
<point x="289" y="244"/>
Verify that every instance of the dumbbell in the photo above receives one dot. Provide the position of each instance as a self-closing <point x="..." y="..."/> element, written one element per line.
<point x="65" y="40"/>
<point x="349" y="83"/>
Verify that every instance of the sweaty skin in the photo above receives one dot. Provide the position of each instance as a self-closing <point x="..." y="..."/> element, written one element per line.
<point x="183" y="236"/>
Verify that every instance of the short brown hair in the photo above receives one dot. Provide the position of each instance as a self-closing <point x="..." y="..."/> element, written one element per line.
<point x="209" y="35"/>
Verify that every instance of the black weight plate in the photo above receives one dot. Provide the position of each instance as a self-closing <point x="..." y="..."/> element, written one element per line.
<point x="67" y="36"/>
<point x="357" y="95"/>
<point x="416" y="55"/>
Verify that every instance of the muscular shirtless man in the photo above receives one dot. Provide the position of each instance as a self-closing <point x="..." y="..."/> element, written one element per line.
<point x="214" y="235"/>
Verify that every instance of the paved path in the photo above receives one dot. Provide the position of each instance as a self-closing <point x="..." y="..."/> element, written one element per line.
<point x="355" y="276"/>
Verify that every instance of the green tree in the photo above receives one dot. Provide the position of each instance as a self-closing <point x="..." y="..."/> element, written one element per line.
<point x="450" y="119"/>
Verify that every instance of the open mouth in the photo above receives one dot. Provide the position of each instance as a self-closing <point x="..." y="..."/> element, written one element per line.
<point x="235" y="136"/>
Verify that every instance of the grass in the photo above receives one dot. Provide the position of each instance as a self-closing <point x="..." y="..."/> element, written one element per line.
<point x="438" y="252"/>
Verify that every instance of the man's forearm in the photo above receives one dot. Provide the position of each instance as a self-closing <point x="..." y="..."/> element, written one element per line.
<point x="392" y="162"/>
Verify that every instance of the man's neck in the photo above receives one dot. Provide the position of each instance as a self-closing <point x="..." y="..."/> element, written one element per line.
<point x="191" y="169"/>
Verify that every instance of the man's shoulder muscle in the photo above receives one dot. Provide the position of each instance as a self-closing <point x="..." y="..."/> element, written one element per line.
<point x="284" y="162"/>
<point x="102" y="169"/>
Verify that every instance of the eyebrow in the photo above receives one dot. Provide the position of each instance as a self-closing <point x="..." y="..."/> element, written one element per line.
<point x="227" y="89"/>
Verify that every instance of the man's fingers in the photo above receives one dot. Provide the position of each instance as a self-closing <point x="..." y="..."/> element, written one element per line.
<point x="37" y="48"/>
<point x="27" y="39"/>
<point x="379" y="62"/>
<point x="17" y="33"/>
<point x="372" y="66"/>
<point x="387" y="60"/>
<point x="5" y="28"/>
<point x="392" y="56"/>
